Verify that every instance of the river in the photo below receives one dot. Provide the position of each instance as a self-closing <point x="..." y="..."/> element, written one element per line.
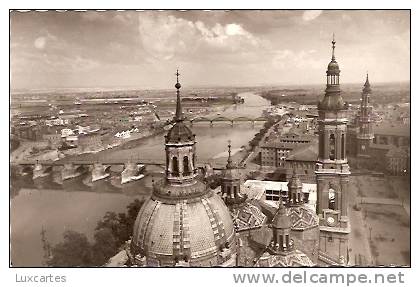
<point x="78" y="206"/>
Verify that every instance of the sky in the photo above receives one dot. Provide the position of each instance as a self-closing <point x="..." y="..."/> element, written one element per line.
<point x="143" y="49"/>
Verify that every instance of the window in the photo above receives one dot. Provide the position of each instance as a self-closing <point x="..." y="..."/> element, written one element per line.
<point x="332" y="147"/>
<point x="343" y="147"/>
<point x="272" y="195"/>
<point x="331" y="198"/>
<point x="186" y="166"/>
<point x="330" y="238"/>
<point x="175" y="167"/>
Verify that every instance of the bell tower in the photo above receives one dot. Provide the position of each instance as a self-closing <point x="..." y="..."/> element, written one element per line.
<point x="365" y="123"/>
<point x="231" y="182"/>
<point x="332" y="170"/>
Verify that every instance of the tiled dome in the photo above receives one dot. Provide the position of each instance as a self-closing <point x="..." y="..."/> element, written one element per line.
<point x="295" y="258"/>
<point x="198" y="230"/>
<point x="302" y="217"/>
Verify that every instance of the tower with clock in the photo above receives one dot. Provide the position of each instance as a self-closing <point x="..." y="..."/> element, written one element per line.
<point x="332" y="169"/>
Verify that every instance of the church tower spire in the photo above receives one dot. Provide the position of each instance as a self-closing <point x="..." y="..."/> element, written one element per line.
<point x="178" y="113"/>
<point x="231" y="182"/>
<point x="332" y="170"/>
<point x="365" y="133"/>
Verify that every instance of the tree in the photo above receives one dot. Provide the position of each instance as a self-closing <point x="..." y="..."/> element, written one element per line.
<point x="110" y="233"/>
<point x="105" y="246"/>
<point x="74" y="251"/>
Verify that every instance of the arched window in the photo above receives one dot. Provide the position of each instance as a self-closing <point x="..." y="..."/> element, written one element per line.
<point x="332" y="147"/>
<point x="343" y="147"/>
<point x="186" y="165"/>
<point x="331" y="199"/>
<point x="175" y="166"/>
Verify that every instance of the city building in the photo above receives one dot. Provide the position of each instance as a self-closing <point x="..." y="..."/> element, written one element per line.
<point x="398" y="161"/>
<point x="275" y="152"/>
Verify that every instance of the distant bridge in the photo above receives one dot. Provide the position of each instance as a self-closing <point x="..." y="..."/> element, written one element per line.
<point x="92" y="161"/>
<point x="226" y="119"/>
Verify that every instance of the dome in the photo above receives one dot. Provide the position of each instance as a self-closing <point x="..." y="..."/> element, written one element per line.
<point x="333" y="68"/>
<point x="179" y="133"/>
<point x="248" y="216"/>
<point x="302" y="217"/>
<point x="196" y="228"/>
<point x="231" y="174"/>
<point x="281" y="220"/>
<point x="331" y="102"/>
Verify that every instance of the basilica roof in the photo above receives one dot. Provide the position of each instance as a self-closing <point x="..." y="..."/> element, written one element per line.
<point x="302" y="217"/>
<point x="295" y="258"/>
<point x="248" y="216"/>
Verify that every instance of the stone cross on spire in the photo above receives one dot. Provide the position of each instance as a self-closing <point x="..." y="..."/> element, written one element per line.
<point x="178" y="114"/>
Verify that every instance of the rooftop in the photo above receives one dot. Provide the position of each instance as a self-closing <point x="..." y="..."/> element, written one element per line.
<point x="392" y="129"/>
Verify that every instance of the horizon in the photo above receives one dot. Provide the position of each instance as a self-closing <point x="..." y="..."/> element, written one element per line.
<point x="186" y="87"/>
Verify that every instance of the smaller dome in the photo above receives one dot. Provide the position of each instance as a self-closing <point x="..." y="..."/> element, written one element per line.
<point x="178" y="86"/>
<point x="332" y="102"/>
<point x="281" y="220"/>
<point x="333" y="68"/>
<point x="179" y="133"/>
<point x="294" y="182"/>
<point x="231" y="174"/>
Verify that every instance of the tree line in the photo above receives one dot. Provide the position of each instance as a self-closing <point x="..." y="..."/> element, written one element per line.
<point x="111" y="233"/>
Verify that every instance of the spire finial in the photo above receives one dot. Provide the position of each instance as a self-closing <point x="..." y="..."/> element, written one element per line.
<point x="178" y="114"/>
<point x="333" y="47"/>
<point x="177" y="74"/>
<point x="229" y="160"/>
<point x="367" y="79"/>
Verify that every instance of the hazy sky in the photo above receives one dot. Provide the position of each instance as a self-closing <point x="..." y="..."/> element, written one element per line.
<point x="143" y="49"/>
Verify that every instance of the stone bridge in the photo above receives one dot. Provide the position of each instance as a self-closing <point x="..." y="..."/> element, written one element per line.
<point x="99" y="167"/>
<point x="226" y="119"/>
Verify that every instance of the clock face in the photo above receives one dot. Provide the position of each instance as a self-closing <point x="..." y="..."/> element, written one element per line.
<point x="330" y="220"/>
